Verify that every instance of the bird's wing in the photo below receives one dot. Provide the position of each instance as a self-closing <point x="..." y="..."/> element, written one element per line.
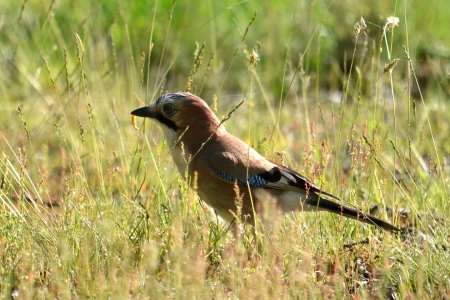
<point x="232" y="160"/>
<point x="299" y="181"/>
<point x="242" y="164"/>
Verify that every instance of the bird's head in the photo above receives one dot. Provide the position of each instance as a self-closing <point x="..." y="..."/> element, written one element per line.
<point x="177" y="111"/>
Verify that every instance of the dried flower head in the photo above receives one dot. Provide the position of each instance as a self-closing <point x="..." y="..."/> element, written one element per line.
<point x="214" y="104"/>
<point x="254" y="57"/>
<point x="360" y="27"/>
<point x="391" y="65"/>
<point x="189" y="85"/>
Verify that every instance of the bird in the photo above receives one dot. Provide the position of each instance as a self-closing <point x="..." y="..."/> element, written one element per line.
<point x="217" y="162"/>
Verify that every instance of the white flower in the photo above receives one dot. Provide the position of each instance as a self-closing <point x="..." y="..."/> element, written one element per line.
<point x="393" y="21"/>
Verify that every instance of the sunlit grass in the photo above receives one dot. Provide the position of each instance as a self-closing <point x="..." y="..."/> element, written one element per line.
<point x="92" y="208"/>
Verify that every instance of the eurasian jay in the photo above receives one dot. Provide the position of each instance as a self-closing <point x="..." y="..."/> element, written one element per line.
<point x="218" y="161"/>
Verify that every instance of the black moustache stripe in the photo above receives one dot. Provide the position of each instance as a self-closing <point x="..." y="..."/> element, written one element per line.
<point x="169" y="123"/>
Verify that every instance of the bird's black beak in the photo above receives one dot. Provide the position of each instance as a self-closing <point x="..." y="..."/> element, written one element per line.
<point x="145" y="112"/>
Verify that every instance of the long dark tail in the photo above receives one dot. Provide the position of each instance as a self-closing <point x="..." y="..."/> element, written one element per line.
<point x="337" y="208"/>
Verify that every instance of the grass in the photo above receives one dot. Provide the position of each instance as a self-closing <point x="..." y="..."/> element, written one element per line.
<point x="91" y="208"/>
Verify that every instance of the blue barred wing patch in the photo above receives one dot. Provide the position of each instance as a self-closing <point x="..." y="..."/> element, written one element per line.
<point x="253" y="181"/>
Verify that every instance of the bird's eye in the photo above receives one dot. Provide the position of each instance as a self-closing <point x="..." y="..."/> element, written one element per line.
<point x="168" y="109"/>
